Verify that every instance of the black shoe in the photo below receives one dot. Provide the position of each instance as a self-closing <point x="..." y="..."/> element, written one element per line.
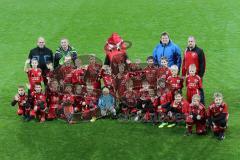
<point x="187" y="133"/>
<point x="221" y="136"/>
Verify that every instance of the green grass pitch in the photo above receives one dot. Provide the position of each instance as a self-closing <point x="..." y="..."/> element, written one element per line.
<point x="88" y="23"/>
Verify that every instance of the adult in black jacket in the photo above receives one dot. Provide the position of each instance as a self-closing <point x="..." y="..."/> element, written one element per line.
<point x="194" y="55"/>
<point x="43" y="55"/>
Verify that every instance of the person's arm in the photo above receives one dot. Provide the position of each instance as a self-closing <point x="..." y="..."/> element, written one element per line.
<point x="178" y="57"/>
<point x="57" y="57"/>
<point x="26" y="66"/>
<point x="15" y="100"/>
<point x="183" y="66"/>
<point x="155" y="56"/>
<point x="51" y="55"/>
<point x="100" y="105"/>
<point x="202" y="63"/>
<point x="107" y="61"/>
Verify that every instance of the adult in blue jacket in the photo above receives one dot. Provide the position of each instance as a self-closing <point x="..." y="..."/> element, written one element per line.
<point x="167" y="49"/>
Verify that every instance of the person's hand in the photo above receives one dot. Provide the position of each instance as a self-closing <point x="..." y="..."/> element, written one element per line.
<point x="128" y="61"/>
<point x="35" y="108"/>
<point x="16" y="98"/>
<point x="27" y="61"/>
<point x="28" y="86"/>
<point x="198" y="117"/>
<point x="175" y="104"/>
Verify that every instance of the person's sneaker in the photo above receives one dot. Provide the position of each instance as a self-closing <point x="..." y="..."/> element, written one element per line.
<point x="72" y="122"/>
<point x="187" y="133"/>
<point x="93" y="119"/>
<point x="42" y="120"/>
<point x="136" y="118"/>
<point x="114" y="117"/>
<point x="162" y="125"/>
<point x="171" y="125"/>
<point x="221" y="136"/>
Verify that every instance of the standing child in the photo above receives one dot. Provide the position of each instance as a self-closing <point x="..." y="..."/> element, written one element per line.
<point x="196" y="116"/>
<point x="108" y="79"/>
<point x="78" y="74"/>
<point x="34" y="73"/>
<point x="93" y="72"/>
<point x="163" y="71"/>
<point x="218" y="116"/>
<point x="193" y="83"/>
<point x="175" y="81"/>
<point x="66" y="71"/>
<point x="150" y="73"/>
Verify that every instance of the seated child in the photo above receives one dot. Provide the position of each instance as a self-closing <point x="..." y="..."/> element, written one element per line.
<point x="53" y="100"/>
<point x="196" y="116"/>
<point x="67" y="103"/>
<point x="106" y="103"/>
<point x="21" y="99"/>
<point x="39" y="103"/>
<point x="218" y="116"/>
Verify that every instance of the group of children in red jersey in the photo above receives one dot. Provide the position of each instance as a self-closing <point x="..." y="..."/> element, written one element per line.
<point x="150" y="94"/>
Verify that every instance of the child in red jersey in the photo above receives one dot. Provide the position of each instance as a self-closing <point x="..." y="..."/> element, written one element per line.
<point x="21" y="99"/>
<point x="196" y="116"/>
<point x="65" y="71"/>
<point x="175" y="81"/>
<point x="121" y="79"/>
<point x="34" y="73"/>
<point x="128" y="100"/>
<point x="93" y="72"/>
<point x="53" y="99"/>
<point x="50" y="73"/>
<point x="39" y="103"/>
<point x="80" y="91"/>
<point x="144" y="104"/>
<point x="136" y="74"/>
<point x="193" y="83"/>
<point x="67" y="103"/>
<point x="89" y="105"/>
<point x="218" y="116"/>
<point x="178" y="110"/>
<point x="164" y="100"/>
<point x="108" y="79"/>
<point x="78" y="74"/>
<point x="150" y="72"/>
<point x="163" y="71"/>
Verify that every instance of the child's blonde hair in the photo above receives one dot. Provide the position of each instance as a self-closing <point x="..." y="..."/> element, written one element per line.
<point x="217" y="95"/>
<point x="105" y="89"/>
<point x="174" y="67"/>
<point x="192" y="67"/>
<point x="196" y="97"/>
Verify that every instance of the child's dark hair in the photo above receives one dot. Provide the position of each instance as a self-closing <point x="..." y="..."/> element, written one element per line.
<point x="38" y="84"/>
<point x="150" y="58"/>
<point x="21" y="86"/>
<point x="163" y="58"/>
